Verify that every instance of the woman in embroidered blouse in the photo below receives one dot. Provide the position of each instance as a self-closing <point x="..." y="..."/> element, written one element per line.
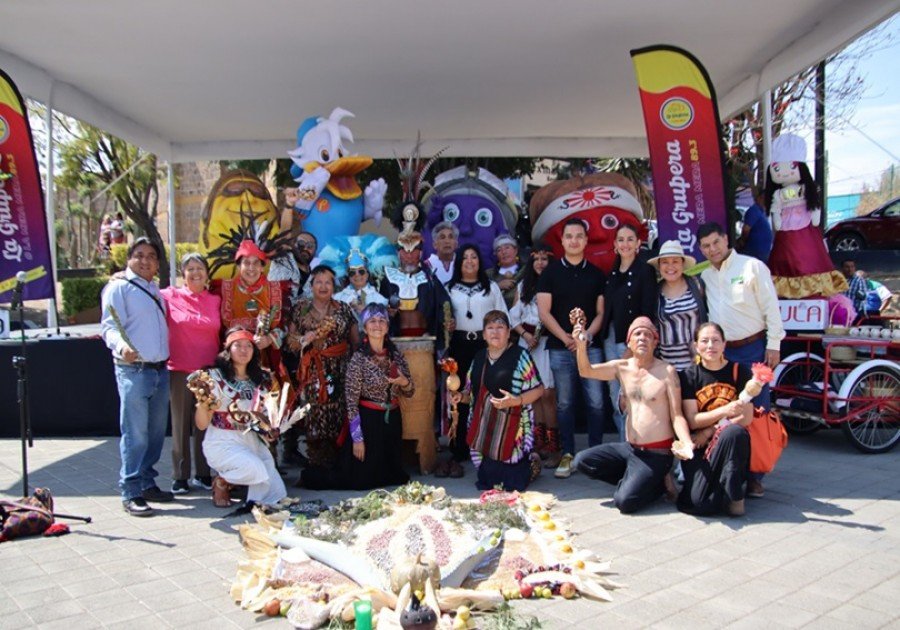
<point x="527" y="323"/>
<point x="236" y="383"/>
<point x="192" y="314"/>
<point x="714" y="478"/>
<point x="630" y="292"/>
<point x="682" y="305"/>
<point x="252" y="301"/>
<point x="376" y="375"/>
<point x="472" y="296"/>
<point x="501" y="385"/>
<point x="324" y="331"/>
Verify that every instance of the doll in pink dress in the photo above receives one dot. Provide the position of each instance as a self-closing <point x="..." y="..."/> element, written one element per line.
<point x="800" y="265"/>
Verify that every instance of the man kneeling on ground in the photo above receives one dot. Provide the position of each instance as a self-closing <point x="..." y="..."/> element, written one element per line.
<point x="652" y="392"/>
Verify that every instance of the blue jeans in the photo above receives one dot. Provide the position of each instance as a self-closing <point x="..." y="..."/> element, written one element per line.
<point x="565" y="373"/>
<point x="143" y="414"/>
<point x="748" y="355"/>
<point x="611" y="351"/>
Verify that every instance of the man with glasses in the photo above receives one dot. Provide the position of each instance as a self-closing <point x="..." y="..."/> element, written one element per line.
<point x="293" y="271"/>
<point x="134" y="328"/>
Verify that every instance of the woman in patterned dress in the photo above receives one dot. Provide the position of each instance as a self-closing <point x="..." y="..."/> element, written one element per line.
<point x="235" y="385"/>
<point x="501" y="385"/>
<point x="324" y="331"/>
<point x="376" y="376"/>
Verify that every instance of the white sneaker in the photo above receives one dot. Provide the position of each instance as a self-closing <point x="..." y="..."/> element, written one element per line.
<point x="564" y="470"/>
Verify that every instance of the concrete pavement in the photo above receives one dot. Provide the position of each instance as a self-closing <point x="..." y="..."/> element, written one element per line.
<point x="821" y="550"/>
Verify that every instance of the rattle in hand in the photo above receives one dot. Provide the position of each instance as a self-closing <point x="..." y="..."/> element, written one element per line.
<point x="578" y="320"/>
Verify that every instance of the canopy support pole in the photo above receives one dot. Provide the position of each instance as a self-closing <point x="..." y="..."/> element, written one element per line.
<point x="50" y="206"/>
<point x="766" y="99"/>
<point x="172" y="255"/>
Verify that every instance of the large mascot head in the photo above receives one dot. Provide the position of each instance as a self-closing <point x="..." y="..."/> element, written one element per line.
<point x="476" y="203"/>
<point x="605" y="201"/>
<point x="236" y="200"/>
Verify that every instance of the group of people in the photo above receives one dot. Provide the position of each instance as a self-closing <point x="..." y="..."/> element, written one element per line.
<point x="214" y="353"/>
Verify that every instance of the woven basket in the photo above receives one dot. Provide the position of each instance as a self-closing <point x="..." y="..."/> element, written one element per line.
<point x="836" y="331"/>
<point x="843" y="353"/>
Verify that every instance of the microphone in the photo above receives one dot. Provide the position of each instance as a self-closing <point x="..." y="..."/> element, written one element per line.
<point x="21" y="277"/>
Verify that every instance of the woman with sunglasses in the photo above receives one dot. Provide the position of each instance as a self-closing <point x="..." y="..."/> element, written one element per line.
<point x="359" y="292"/>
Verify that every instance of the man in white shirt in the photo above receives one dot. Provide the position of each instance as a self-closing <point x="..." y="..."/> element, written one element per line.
<point x="742" y="300"/>
<point x="445" y="240"/>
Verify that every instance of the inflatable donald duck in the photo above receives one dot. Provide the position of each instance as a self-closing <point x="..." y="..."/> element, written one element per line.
<point x="328" y="198"/>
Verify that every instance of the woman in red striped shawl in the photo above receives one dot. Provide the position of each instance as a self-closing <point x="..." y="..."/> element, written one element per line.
<point x="501" y="386"/>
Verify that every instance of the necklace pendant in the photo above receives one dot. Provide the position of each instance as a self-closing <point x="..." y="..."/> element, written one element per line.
<point x="469" y="314"/>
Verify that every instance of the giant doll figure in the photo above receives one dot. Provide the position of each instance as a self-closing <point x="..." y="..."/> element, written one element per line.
<point x="605" y="201"/>
<point x="328" y="198"/>
<point x="799" y="262"/>
<point x="477" y="203"/>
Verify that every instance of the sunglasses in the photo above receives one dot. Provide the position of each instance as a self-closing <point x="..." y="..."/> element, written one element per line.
<point x="356" y="272"/>
<point x="306" y="244"/>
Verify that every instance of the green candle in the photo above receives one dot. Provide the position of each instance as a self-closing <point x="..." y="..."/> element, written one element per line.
<point x="362" y="610"/>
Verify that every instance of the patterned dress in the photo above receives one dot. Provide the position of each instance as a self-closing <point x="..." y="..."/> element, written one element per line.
<point x="321" y="375"/>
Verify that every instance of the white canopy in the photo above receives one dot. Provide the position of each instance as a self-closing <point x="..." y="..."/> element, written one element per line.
<point x="220" y="79"/>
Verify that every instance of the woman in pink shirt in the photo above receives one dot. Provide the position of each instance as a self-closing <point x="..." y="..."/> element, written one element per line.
<point x="192" y="313"/>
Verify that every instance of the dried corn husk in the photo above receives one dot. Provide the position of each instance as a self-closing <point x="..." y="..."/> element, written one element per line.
<point x="452" y="598"/>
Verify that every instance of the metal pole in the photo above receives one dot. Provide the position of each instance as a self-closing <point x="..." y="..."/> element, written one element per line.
<point x="766" y="99"/>
<point x="50" y="206"/>
<point x="820" y="142"/>
<point x="172" y="262"/>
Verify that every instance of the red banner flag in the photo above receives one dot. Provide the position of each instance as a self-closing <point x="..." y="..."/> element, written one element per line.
<point x="686" y="149"/>
<point x="24" y="240"/>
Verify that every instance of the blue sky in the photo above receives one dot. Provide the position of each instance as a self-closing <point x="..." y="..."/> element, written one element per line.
<point x="854" y="160"/>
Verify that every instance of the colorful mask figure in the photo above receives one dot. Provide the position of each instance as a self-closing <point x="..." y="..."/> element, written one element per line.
<point x="476" y="203"/>
<point x="328" y="198"/>
<point x="604" y="201"/>
<point x="237" y="200"/>
<point x="800" y="264"/>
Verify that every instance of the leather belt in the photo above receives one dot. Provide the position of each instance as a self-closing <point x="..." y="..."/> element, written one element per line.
<point x="144" y="365"/>
<point x="738" y="343"/>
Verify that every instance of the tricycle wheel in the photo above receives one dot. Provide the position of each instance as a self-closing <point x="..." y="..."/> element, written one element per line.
<point x="877" y="428"/>
<point x="793" y="375"/>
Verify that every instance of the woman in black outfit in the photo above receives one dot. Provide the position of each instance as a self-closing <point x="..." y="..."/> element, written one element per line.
<point x="630" y="292"/>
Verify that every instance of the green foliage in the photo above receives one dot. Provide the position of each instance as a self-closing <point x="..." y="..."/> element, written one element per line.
<point x="505" y="618"/>
<point x="80" y="294"/>
<point x="119" y="255"/>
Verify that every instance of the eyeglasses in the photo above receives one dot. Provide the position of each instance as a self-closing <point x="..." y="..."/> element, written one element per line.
<point x="356" y="272"/>
<point x="303" y="244"/>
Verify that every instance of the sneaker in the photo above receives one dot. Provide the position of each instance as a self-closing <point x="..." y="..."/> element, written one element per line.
<point x="755" y="489"/>
<point x="137" y="507"/>
<point x="564" y="470"/>
<point x="202" y="482"/>
<point x="155" y="495"/>
<point x="180" y="486"/>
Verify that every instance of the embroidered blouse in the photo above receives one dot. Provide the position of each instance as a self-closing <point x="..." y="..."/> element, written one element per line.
<point x="470" y="304"/>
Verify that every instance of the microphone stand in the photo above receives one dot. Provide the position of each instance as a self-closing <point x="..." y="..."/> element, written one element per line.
<point x="21" y="364"/>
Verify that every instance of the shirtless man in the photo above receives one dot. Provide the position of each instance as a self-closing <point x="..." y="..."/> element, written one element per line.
<point x="653" y="394"/>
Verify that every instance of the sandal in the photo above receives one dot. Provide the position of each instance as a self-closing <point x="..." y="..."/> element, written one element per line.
<point x="455" y="470"/>
<point x="442" y="469"/>
<point x="221" y="493"/>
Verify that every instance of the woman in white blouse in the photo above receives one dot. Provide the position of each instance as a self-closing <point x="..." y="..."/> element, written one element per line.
<point x="472" y="296"/>
<point x="526" y="322"/>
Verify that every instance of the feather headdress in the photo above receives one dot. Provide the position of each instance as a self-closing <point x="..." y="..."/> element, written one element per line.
<point x="377" y="250"/>
<point x="249" y="229"/>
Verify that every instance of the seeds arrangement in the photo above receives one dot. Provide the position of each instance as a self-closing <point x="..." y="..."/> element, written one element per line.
<point x="412" y="552"/>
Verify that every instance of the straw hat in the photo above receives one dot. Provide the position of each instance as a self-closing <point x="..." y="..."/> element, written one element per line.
<point x="673" y="248"/>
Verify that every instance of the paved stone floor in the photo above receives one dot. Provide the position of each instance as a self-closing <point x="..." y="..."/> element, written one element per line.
<point x="822" y="549"/>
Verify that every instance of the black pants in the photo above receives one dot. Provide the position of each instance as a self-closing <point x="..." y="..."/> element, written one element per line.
<point x="638" y="474"/>
<point x="710" y="485"/>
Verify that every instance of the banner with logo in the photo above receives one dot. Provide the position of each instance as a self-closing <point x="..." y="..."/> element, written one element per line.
<point x="24" y="240"/>
<point x="686" y="150"/>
